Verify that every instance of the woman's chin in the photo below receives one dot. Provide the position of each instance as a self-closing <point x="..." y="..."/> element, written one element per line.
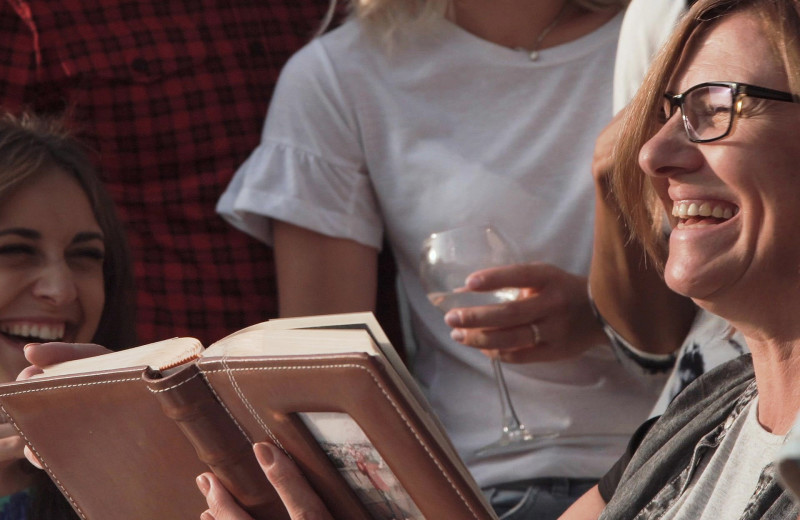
<point x="692" y="280"/>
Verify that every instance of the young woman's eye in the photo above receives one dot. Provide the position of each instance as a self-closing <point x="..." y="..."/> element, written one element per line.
<point x="17" y="250"/>
<point x="88" y="253"/>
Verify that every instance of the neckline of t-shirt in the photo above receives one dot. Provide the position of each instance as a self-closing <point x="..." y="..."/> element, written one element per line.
<point x="751" y="422"/>
<point x="575" y="49"/>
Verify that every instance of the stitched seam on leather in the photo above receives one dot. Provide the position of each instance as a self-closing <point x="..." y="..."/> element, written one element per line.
<point x="229" y="372"/>
<point x="44" y="464"/>
<point x="77" y="385"/>
<point x="388" y="398"/>
<point x="249" y="407"/>
<point x="216" y="396"/>
<point x="176" y="385"/>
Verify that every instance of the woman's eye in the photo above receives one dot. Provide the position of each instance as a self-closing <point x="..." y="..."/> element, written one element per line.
<point x="88" y="253"/>
<point x="17" y="249"/>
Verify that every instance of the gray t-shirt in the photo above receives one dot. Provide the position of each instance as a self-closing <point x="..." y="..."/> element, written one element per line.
<point x="725" y="482"/>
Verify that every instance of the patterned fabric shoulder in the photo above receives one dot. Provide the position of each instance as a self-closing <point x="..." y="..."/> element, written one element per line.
<point x="15" y="506"/>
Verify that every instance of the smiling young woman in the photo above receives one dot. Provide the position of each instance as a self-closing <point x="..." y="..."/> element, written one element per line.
<point x="65" y="275"/>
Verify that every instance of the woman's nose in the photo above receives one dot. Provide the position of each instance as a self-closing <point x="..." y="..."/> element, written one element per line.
<point x="669" y="151"/>
<point x="56" y="283"/>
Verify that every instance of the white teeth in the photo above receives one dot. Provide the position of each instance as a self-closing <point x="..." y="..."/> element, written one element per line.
<point x="705" y="209"/>
<point x="34" y="330"/>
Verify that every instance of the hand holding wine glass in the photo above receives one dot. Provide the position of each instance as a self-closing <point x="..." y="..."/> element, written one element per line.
<point x="555" y="300"/>
<point x="447" y="259"/>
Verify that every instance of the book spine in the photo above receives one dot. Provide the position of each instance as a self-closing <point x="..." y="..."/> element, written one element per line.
<point x="186" y="398"/>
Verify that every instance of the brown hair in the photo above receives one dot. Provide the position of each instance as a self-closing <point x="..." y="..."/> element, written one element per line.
<point x="633" y="191"/>
<point x="30" y="146"/>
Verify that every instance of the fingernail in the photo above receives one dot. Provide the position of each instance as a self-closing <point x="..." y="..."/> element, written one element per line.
<point x="203" y="484"/>
<point x="264" y="453"/>
<point x="457" y="335"/>
<point x="473" y="282"/>
<point x="30" y="345"/>
<point x="206" y="515"/>
<point x="32" y="458"/>
<point x="453" y="318"/>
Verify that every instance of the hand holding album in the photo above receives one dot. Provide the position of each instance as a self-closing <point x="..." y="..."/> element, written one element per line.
<point x="298" y="496"/>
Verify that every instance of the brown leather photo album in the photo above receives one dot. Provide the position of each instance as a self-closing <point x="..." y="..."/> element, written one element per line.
<point x="124" y="435"/>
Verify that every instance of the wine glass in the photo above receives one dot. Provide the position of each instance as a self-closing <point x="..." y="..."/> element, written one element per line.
<point x="447" y="258"/>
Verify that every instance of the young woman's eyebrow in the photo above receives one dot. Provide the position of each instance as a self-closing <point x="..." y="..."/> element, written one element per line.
<point x="22" y="232"/>
<point x="87" y="236"/>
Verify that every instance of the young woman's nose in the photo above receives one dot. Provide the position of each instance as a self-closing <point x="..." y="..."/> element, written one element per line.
<point x="56" y="283"/>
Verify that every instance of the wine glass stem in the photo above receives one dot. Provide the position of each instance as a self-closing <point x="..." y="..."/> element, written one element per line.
<point x="510" y="420"/>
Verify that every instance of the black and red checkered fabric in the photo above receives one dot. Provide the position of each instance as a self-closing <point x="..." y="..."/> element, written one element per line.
<point x="171" y="94"/>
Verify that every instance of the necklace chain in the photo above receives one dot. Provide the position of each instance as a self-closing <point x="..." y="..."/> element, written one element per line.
<point x="533" y="53"/>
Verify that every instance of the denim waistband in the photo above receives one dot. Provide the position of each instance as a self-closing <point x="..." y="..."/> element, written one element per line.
<point x="544" y="482"/>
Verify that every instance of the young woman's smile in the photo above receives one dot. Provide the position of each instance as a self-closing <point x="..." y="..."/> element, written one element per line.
<point x="51" y="268"/>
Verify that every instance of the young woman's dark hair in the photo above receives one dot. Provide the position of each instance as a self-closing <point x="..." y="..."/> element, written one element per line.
<point x="31" y="146"/>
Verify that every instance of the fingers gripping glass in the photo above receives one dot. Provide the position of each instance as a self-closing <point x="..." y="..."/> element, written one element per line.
<point x="708" y="109"/>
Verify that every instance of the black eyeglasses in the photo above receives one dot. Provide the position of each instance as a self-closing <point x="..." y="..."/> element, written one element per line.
<point x="709" y="109"/>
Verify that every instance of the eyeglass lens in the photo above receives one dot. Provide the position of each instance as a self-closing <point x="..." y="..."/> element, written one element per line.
<point x="707" y="111"/>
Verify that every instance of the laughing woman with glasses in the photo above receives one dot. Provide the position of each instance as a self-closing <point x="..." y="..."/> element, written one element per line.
<point x="722" y="159"/>
<point x="726" y="169"/>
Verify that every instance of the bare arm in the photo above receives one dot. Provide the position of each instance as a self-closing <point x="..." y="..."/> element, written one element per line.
<point x="587" y="507"/>
<point x="318" y="274"/>
<point x="629" y="292"/>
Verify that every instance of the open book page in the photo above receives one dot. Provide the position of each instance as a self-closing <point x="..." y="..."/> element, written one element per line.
<point x="355" y="320"/>
<point x="160" y="355"/>
<point x="255" y="341"/>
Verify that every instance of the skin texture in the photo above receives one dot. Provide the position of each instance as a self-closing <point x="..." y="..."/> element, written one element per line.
<point x="51" y="258"/>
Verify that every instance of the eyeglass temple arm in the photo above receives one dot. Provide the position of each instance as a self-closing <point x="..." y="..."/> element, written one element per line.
<point x="768" y="93"/>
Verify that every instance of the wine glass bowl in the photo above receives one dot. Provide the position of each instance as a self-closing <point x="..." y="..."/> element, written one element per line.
<point x="447" y="258"/>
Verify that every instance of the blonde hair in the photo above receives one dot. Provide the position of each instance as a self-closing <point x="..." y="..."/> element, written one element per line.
<point x="629" y="185"/>
<point x="386" y="17"/>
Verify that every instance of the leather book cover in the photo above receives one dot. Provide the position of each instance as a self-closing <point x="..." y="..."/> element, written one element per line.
<point x="106" y="443"/>
<point x="347" y="419"/>
<point x="128" y="443"/>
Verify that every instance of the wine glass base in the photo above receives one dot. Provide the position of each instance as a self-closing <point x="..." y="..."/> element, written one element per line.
<point x="514" y="441"/>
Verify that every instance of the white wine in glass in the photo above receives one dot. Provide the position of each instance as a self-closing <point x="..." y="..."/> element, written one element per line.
<point x="447" y="258"/>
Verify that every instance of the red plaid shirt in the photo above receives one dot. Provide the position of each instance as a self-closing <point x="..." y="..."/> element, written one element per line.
<point x="172" y="96"/>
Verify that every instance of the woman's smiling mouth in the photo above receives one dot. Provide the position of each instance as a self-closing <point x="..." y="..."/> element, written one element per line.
<point x="702" y="213"/>
<point x="34" y="332"/>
